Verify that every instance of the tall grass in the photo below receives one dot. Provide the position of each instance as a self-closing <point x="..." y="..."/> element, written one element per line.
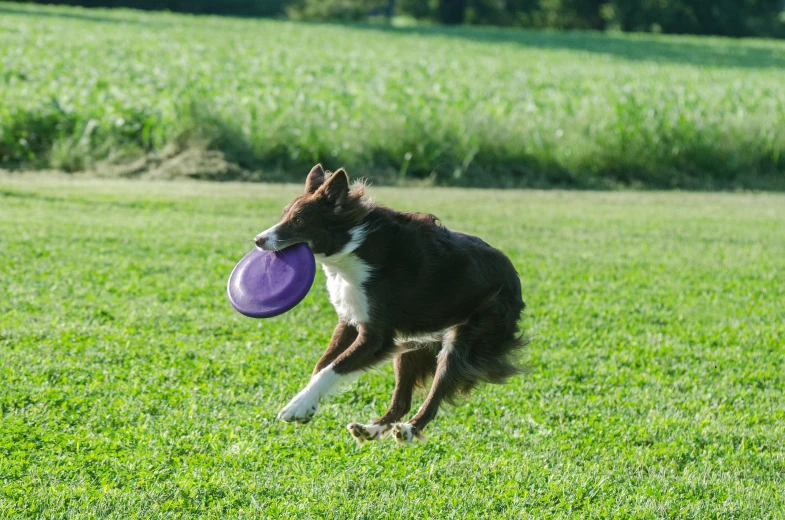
<point x="459" y="106"/>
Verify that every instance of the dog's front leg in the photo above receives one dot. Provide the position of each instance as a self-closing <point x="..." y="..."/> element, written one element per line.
<point x="367" y="349"/>
<point x="343" y="336"/>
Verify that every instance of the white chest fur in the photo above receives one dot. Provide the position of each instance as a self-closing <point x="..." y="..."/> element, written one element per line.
<point x="346" y="274"/>
<point x="345" y="285"/>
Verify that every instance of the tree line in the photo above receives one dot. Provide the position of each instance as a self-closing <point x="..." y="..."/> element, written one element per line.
<point x="705" y="17"/>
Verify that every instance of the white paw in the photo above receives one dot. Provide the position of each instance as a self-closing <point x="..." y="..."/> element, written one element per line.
<point x="404" y="433"/>
<point x="368" y="432"/>
<point x="300" y="409"/>
<point x="303" y="406"/>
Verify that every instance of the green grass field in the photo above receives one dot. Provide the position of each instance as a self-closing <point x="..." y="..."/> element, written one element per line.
<point x="130" y="388"/>
<point x="472" y="106"/>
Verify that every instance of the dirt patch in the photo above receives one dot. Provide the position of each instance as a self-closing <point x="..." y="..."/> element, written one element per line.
<point x="192" y="163"/>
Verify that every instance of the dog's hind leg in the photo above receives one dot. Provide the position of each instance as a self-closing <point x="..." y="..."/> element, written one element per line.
<point x="478" y="350"/>
<point x="445" y="385"/>
<point x="412" y="368"/>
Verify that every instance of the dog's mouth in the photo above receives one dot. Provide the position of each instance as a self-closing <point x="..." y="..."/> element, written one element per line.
<point x="273" y="246"/>
<point x="269" y="241"/>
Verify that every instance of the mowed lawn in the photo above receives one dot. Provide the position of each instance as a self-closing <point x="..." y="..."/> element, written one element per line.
<point x="130" y="388"/>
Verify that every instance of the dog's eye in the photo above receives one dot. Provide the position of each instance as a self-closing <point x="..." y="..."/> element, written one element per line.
<point x="298" y="221"/>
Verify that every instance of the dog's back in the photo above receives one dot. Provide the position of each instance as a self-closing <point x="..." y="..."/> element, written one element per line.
<point x="427" y="277"/>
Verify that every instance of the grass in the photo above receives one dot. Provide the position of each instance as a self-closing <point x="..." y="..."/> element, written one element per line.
<point x="129" y="388"/>
<point x="466" y="106"/>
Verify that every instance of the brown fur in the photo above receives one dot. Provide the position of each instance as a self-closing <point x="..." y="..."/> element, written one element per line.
<point x="425" y="280"/>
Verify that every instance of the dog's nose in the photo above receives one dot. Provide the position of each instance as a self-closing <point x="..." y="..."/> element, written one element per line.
<point x="260" y="240"/>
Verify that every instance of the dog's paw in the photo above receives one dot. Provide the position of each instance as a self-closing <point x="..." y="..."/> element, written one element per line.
<point x="405" y="433"/>
<point x="368" y="432"/>
<point x="300" y="409"/>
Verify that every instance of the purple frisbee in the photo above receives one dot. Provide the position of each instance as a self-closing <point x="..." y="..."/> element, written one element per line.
<point x="268" y="283"/>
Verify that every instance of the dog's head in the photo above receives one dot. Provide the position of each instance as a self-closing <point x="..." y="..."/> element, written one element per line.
<point x="322" y="216"/>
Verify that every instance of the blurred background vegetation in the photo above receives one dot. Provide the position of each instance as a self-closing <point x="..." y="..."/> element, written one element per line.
<point x="387" y="91"/>
<point x="704" y="17"/>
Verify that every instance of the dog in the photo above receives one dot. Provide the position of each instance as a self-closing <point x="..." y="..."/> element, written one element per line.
<point x="441" y="304"/>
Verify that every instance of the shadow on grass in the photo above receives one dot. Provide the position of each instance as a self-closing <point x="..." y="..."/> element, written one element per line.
<point x="609" y="173"/>
<point x="211" y="147"/>
<point x="634" y="47"/>
<point x="697" y="167"/>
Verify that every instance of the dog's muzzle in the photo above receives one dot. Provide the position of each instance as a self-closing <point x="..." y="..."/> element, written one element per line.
<point x="267" y="240"/>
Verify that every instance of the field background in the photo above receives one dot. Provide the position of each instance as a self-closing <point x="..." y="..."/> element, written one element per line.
<point x="221" y="98"/>
<point x="130" y="388"/>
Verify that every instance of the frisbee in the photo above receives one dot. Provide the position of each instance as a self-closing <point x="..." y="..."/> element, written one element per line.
<point x="268" y="283"/>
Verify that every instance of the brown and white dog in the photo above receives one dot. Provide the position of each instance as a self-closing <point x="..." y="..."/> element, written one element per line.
<point x="438" y="302"/>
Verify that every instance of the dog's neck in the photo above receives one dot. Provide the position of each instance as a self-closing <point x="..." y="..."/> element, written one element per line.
<point x="346" y="273"/>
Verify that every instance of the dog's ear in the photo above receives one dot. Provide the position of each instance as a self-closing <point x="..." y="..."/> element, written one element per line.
<point x="315" y="179"/>
<point x="336" y="189"/>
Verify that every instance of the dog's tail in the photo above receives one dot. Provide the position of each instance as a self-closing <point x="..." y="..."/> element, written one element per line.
<point x="486" y="346"/>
